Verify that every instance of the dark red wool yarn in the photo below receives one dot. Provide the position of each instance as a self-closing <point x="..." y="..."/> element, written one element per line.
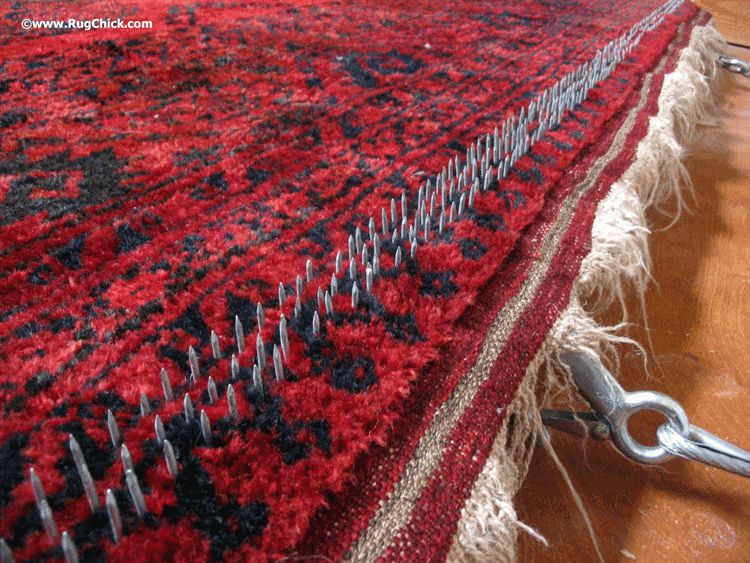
<point x="156" y="184"/>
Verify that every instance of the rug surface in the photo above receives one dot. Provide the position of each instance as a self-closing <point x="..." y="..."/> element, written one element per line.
<point x="364" y="217"/>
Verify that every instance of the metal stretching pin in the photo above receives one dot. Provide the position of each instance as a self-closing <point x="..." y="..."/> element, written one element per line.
<point x="205" y="428"/>
<point x="114" y="431"/>
<point x="36" y="486"/>
<point x="355" y="295"/>
<point x="613" y="407"/>
<point x="339" y="262"/>
<point x="127" y="461"/>
<point x="170" y="459"/>
<point x="309" y="271"/>
<point x="334" y="285"/>
<point x="145" y="405"/>
<point x="83" y="471"/>
<point x="352" y="247"/>
<point x="166" y="386"/>
<point x="257" y="378"/>
<point x="213" y="394"/>
<point x="234" y="367"/>
<point x="113" y="513"/>
<point x="135" y="493"/>
<point x="195" y="371"/>
<point x="260" y="352"/>
<point x="215" y="347"/>
<point x="316" y="324"/>
<point x="69" y="549"/>
<point x="320" y="298"/>
<point x="239" y="333"/>
<point x="232" y="402"/>
<point x="5" y="554"/>
<point x="187" y="408"/>
<point x="278" y="366"/>
<point x="328" y="303"/>
<point x="284" y="336"/>
<point x="161" y="435"/>
<point x="48" y="521"/>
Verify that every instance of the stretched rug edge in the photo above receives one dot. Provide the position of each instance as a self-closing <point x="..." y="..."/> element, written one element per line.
<point x="618" y="261"/>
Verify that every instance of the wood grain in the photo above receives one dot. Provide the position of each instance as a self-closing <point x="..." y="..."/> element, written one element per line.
<point x="699" y="314"/>
<point x="732" y="18"/>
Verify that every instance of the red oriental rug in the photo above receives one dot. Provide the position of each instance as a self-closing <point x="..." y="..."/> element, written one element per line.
<point x="271" y="275"/>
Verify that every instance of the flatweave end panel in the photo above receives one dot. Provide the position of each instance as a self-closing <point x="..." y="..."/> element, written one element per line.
<point x="281" y="280"/>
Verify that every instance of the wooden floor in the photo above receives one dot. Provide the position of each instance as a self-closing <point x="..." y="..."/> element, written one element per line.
<point x="699" y="314"/>
<point x="732" y="18"/>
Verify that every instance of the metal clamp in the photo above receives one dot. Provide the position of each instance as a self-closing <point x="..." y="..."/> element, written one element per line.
<point x="736" y="66"/>
<point x="613" y="407"/>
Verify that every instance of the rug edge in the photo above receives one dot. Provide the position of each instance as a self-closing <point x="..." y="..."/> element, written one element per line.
<point x="619" y="258"/>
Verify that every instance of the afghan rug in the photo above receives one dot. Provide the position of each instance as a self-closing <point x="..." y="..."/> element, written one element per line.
<point x="272" y="274"/>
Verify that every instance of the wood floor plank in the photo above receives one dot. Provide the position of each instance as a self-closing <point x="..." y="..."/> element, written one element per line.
<point x="732" y="18"/>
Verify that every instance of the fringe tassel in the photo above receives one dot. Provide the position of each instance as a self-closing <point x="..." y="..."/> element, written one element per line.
<point x="619" y="261"/>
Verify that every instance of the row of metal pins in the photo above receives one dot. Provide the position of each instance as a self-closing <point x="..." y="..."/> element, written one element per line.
<point x="356" y="244"/>
<point x="68" y="547"/>
<point x="188" y="408"/>
<point x="70" y="553"/>
<point x="113" y="513"/>
<point x="516" y="140"/>
<point x="548" y="107"/>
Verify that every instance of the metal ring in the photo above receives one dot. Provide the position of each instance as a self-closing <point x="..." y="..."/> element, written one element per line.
<point x="653" y="401"/>
<point x="736" y="66"/>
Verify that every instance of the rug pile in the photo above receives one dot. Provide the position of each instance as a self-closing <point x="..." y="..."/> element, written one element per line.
<point x="271" y="275"/>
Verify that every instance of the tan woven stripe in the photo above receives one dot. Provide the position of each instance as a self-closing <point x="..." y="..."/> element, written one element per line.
<point x="396" y="509"/>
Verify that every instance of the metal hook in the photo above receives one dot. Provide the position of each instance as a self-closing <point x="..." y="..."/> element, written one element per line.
<point x="736" y="66"/>
<point x="613" y="407"/>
